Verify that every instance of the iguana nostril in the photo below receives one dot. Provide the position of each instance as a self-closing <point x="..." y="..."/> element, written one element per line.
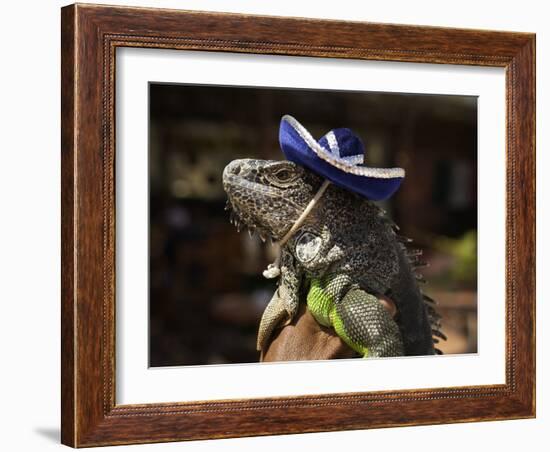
<point x="236" y="170"/>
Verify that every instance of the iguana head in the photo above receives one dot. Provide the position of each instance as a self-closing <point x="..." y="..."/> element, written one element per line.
<point x="268" y="196"/>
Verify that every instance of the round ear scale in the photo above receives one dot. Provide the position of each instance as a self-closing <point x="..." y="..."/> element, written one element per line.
<point x="307" y="247"/>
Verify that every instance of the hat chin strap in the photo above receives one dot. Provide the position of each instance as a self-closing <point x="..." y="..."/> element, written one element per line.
<point x="273" y="270"/>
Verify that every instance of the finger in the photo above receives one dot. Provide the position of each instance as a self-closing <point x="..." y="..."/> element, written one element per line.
<point x="388" y="304"/>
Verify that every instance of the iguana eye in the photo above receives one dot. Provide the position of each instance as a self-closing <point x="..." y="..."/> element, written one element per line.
<point x="283" y="175"/>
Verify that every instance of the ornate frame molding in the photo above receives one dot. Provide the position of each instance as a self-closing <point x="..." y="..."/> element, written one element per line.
<point x="90" y="36"/>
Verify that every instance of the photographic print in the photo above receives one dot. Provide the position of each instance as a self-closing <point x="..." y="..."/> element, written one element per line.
<point x="250" y="203"/>
<point x="301" y="224"/>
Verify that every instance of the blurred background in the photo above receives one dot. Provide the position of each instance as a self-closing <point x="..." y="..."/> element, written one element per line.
<point x="206" y="287"/>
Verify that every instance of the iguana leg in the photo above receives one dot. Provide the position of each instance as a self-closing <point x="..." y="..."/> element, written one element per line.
<point x="366" y="326"/>
<point x="273" y="315"/>
<point x="284" y="304"/>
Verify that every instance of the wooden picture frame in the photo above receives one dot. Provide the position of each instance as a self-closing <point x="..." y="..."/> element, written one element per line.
<point x="90" y="36"/>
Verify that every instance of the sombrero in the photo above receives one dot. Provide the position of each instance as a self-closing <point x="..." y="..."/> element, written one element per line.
<point x="338" y="157"/>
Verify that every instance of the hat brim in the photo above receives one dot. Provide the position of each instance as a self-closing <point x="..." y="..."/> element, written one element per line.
<point x="301" y="148"/>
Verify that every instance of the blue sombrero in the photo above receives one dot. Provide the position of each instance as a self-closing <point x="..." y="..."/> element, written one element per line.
<point x="338" y="157"/>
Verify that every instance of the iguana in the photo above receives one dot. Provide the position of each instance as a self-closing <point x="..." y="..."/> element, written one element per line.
<point x="344" y="256"/>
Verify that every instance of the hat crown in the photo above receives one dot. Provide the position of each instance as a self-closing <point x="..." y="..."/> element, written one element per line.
<point x="344" y="145"/>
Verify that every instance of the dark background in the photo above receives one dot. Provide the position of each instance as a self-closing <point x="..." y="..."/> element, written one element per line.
<point x="206" y="289"/>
